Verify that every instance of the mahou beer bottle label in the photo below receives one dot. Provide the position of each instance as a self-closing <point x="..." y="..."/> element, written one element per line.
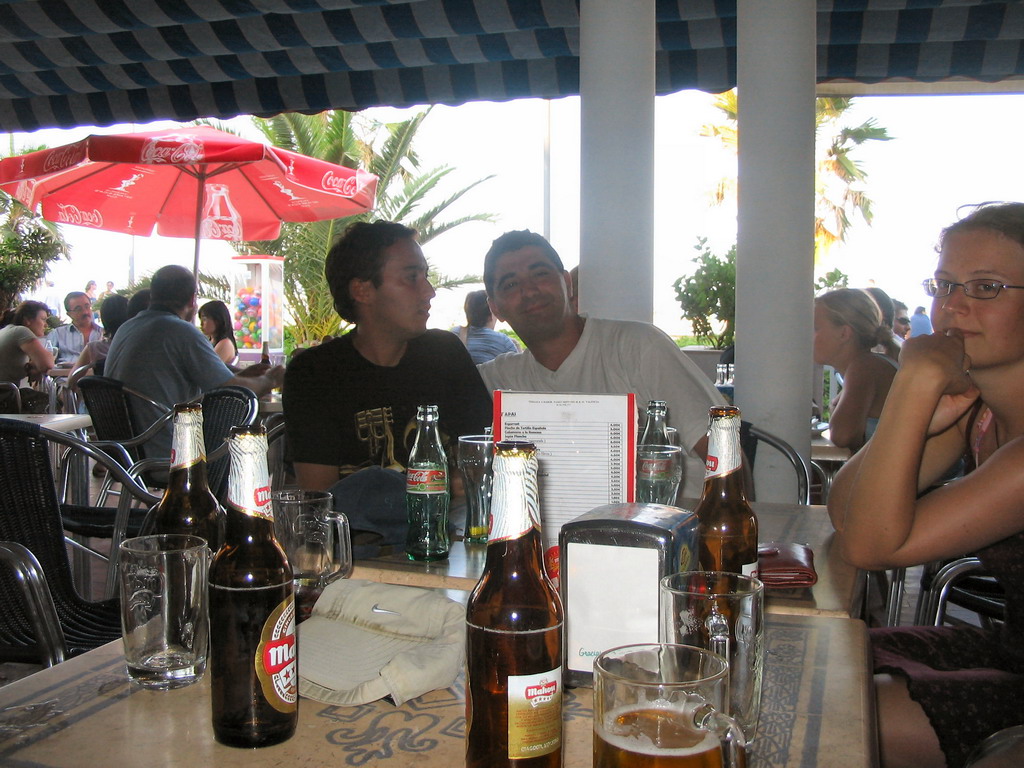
<point x="519" y="492"/>
<point x="426" y="480"/>
<point x="277" y="664"/>
<point x="249" y="489"/>
<point x="723" y="450"/>
<point x="534" y="713"/>
<point x="187" y="447"/>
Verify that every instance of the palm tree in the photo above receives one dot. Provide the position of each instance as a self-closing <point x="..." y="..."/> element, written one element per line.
<point x="839" y="178"/>
<point x="405" y="193"/>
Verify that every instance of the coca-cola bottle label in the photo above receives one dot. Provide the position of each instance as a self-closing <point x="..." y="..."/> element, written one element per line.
<point x="277" y="663"/>
<point x="655" y="468"/>
<point x="534" y="714"/>
<point x="426" y="480"/>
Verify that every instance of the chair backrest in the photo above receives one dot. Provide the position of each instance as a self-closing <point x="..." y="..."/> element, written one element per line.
<point x="751" y="436"/>
<point x="109" y="403"/>
<point x="223" y="409"/>
<point x="10" y="397"/>
<point x="112" y="417"/>
<point x="30" y="515"/>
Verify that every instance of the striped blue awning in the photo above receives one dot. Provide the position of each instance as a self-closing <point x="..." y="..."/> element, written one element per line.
<point x="98" y="62"/>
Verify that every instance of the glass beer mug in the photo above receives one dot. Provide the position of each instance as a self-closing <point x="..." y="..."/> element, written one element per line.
<point x="662" y="705"/>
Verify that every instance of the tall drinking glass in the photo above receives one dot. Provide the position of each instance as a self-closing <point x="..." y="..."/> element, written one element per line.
<point x="316" y="540"/>
<point x="475" y="457"/>
<point x="723" y="612"/>
<point x="164" y="620"/>
<point x="663" y="705"/>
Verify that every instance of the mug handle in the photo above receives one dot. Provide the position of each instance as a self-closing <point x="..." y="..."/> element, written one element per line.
<point x="730" y="736"/>
<point x="342" y="550"/>
<point x="717" y="625"/>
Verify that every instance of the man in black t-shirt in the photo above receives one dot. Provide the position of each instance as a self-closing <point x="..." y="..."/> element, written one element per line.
<point x="351" y="403"/>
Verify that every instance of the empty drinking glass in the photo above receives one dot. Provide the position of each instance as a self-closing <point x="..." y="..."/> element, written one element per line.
<point x="475" y="457"/>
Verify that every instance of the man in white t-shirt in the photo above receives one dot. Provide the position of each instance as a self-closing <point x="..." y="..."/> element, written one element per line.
<point x="528" y="288"/>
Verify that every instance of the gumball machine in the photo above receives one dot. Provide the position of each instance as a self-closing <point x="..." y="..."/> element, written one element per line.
<point x="257" y="306"/>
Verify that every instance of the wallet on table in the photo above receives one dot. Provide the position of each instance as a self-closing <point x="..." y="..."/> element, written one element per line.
<point x="786" y="565"/>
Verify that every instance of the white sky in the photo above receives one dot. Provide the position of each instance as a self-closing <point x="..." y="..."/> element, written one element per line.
<point x="947" y="151"/>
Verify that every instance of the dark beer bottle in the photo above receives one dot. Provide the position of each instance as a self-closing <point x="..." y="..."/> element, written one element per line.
<point x="514" y="631"/>
<point x="727" y="525"/>
<point x="265" y="354"/>
<point x="253" y="653"/>
<point x="188" y="506"/>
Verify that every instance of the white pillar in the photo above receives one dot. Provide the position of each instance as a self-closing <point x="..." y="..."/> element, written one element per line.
<point x="775" y="245"/>
<point x="617" y="41"/>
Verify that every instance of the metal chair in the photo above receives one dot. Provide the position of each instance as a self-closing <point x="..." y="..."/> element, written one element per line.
<point x="38" y="601"/>
<point x="31" y="515"/>
<point x="223" y="409"/>
<point x="962" y="582"/>
<point x="116" y="427"/>
<point x="1002" y="749"/>
<point x="10" y="397"/>
<point x="751" y="437"/>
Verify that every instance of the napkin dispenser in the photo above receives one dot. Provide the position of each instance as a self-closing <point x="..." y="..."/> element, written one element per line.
<point x="612" y="559"/>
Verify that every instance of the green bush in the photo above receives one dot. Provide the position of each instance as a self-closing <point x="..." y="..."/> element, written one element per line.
<point x="710" y="293"/>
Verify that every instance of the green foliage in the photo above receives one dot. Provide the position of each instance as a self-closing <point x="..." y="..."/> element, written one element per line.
<point x="710" y="293"/>
<point x="28" y="243"/>
<point x="25" y="251"/>
<point x="831" y="280"/>
<point x="405" y="193"/>
<point x="840" y="178"/>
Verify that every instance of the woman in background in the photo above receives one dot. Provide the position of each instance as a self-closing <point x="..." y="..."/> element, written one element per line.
<point x="847" y="324"/>
<point x="215" y="323"/>
<point x="22" y="353"/>
<point x="941" y="690"/>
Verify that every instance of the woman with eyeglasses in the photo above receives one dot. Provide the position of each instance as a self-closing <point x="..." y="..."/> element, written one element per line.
<point x="959" y="393"/>
<point x="847" y="325"/>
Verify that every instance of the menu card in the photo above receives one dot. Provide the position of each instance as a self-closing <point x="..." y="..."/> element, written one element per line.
<point x="586" y="451"/>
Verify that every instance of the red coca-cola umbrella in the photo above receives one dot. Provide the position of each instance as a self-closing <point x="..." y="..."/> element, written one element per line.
<point x="184" y="182"/>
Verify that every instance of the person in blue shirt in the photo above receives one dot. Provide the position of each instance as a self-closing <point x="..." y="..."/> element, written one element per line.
<point x="920" y="323"/>
<point x="478" y="334"/>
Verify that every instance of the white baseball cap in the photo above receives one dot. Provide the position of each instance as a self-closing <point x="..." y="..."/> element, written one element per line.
<point x="365" y="641"/>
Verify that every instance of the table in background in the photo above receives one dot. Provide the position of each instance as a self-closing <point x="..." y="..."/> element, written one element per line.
<point x="837" y="593"/>
<point x="817" y="711"/>
<point x="58" y="422"/>
<point x="827" y="458"/>
<point x="68" y="423"/>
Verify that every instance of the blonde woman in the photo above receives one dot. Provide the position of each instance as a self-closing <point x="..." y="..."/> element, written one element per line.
<point x="847" y="324"/>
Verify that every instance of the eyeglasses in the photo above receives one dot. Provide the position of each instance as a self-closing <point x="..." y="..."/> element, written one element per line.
<point x="974" y="289"/>
<point x="903" y="320"/>
<point x="80" y="308"/>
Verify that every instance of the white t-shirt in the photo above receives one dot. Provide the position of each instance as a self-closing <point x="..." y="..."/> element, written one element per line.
<point x="616" y="357"/>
